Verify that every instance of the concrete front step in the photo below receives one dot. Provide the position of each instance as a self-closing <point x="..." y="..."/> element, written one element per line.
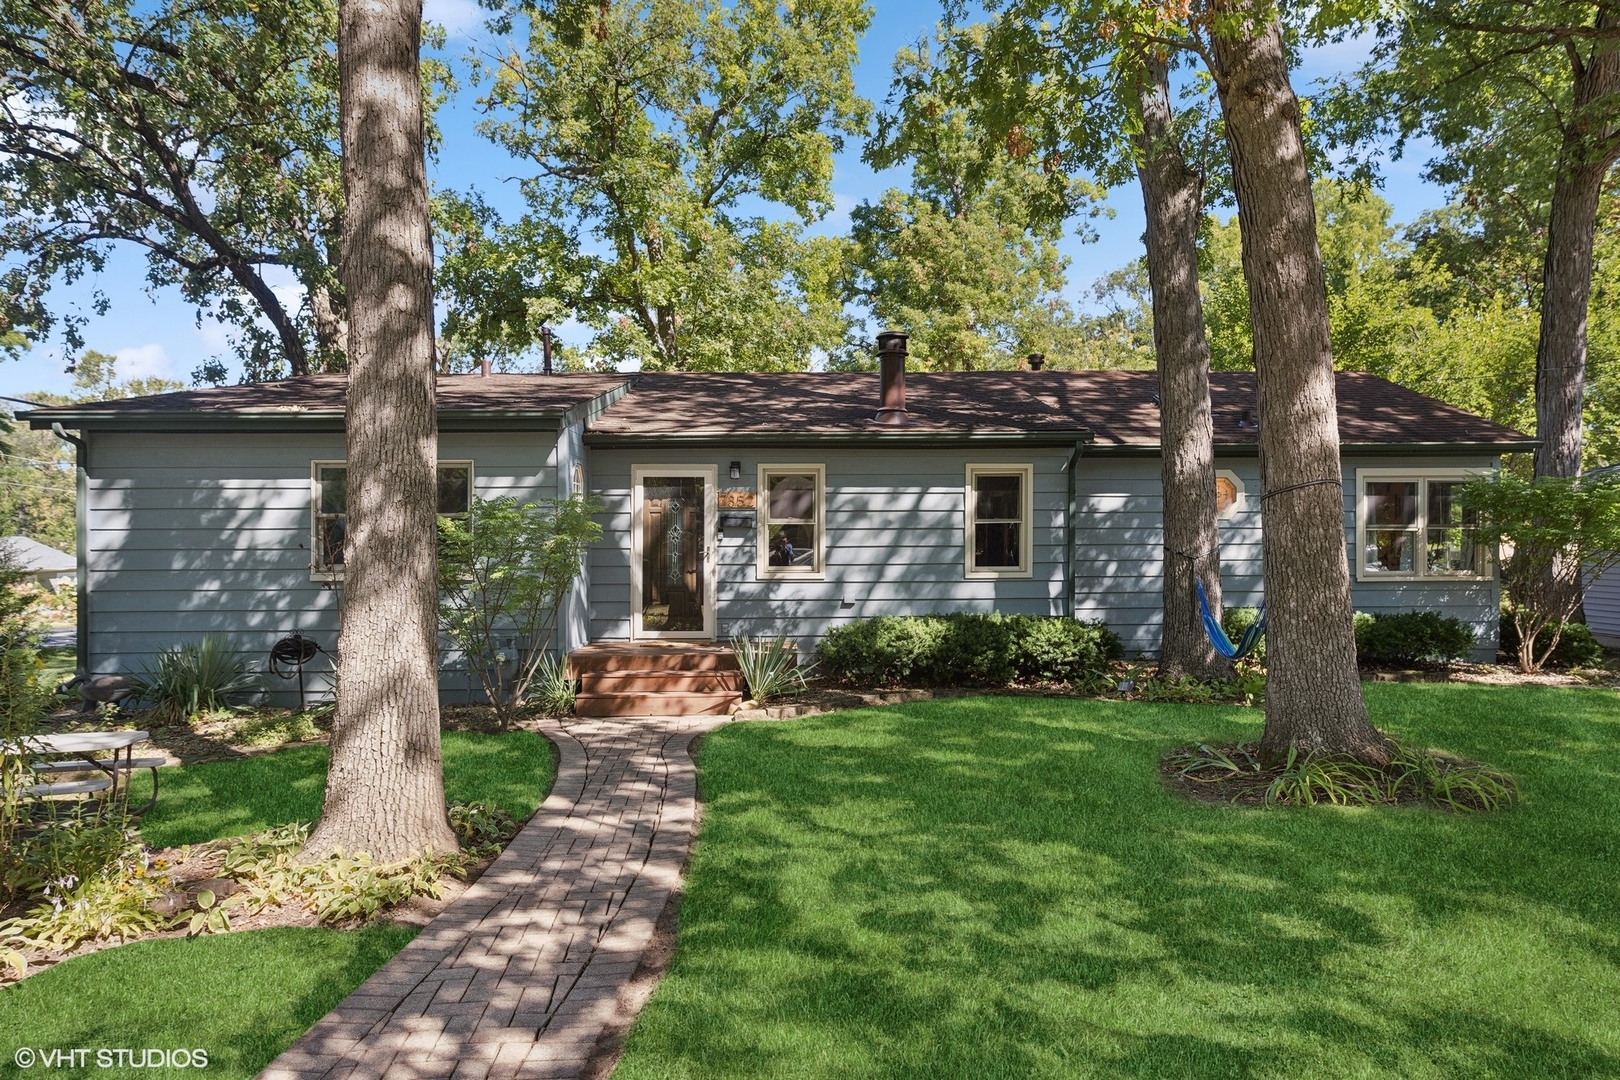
<point x="650" y="703"/>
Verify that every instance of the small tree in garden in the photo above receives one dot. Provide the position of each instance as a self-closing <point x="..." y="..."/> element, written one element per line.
<point x="503" y="573"/>
<point x="22" y="701"/>
<point x="1546" y="526"/>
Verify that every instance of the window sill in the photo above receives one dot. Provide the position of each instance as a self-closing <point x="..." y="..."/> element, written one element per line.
<point x="997" y="575"/>
<point x="1407" y="575"/>
<point x="789" y="575"/>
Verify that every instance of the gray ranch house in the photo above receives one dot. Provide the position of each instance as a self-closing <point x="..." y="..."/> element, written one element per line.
<point x="762" y="504"/>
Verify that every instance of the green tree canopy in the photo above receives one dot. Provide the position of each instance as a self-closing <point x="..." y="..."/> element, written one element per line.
<point x="661" y="132"/>
<point x="203" y="134"/>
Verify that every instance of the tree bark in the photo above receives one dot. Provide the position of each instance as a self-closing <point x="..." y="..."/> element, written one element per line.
<point x="1585" y="156"/>
<point x="1173" y="197"/>
<point x="1588" y="150"/>
<point x="385" y="789"/>
<point x="1313" y="690"/>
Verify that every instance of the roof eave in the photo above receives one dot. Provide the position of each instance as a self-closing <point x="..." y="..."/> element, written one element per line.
<point x="611" y="439"/>
<point x="164" y="421"/>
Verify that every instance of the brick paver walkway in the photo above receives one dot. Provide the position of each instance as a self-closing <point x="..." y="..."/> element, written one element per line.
<point x="522" y="972"/>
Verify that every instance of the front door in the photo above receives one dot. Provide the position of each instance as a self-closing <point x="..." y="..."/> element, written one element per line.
<point x="672" y="551"/>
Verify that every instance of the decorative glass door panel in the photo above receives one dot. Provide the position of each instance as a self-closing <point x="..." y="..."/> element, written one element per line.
<point x="674" y="530"/>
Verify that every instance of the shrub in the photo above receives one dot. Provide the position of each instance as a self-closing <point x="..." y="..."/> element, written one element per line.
<point x="1576" y="646"/>
<point x="770" y="666"/>
<point x="1412" y="637"/>
<point x="1236" y="621"/>
<point x="197" y="677"/>
<point x="1062" y="650"/>
<point x="503" y="573"/>
<point x="553" y="687"/>
<point x="482" y="828"/>
<point x="964" y="649"/>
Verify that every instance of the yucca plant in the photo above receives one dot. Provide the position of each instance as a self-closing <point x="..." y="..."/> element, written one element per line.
<point x="770" y="667"/>
<point x="553" y="688"/>
<point x="196" y="677"/>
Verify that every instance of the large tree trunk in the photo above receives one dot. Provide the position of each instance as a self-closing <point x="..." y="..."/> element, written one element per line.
<point x="1313" y="690"/>
<point x="1584" y="160"/>
<point x="1173" y="196"/>
<point x="385" y="790"/>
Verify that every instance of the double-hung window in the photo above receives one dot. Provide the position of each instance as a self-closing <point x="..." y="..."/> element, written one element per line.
<point x="1413" y="525"/>
<point x="793" y="506"/>
<point x="329" y="505"/>
<point x="997" y="539"/>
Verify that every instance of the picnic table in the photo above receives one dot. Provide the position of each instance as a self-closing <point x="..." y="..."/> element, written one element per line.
<point x="111" y="753"/>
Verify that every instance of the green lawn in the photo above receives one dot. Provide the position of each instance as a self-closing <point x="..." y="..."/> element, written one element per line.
<point x="241" y="997"/>
<point x="1002" y="888"/>
<point x="232" y="798"/>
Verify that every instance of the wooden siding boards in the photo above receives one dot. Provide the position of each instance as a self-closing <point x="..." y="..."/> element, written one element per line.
<point x="1119" y="538"/>
<point x="193" y="533"/>
<point x="894" y="544"/>
<point x="190" y="534"/>
<point x="1603" y="608"/>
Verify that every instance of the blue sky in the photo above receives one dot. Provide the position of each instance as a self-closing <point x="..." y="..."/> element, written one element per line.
<point x="158" y="335"/>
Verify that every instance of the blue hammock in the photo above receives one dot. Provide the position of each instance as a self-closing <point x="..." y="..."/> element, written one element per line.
<point x="1217" y="636"/>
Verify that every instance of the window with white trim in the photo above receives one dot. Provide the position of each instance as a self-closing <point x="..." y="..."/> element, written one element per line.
<point x="998" y="501"/>
<point x="1413" y="525"/>
<point x="792" y="509"/>
<point x="329" y="504"/>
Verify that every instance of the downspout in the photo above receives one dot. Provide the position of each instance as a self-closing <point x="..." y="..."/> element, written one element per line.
<point x="1068" y="532"/>
<point x="81" y="532"/>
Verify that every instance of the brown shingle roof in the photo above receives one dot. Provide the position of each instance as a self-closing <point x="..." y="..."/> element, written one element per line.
<point x="1115" y="408"/>
<point x="324" y="394"/>
<point x="1120" y="409"/>
<point x="1111" y="408"/>
<point x="824" y="403"/>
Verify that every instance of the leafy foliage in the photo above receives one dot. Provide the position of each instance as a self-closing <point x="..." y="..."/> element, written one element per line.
<point x="482" y="828"/>
<point x="204" y="135"/>
<point x="654" y="128"/>
<point x="195" y="677"/>
<point x="1412" y="636"/>
<point x="964" y="649"/>
<point x="1549" y="528"/>
<point x="23" y="697"/>
<point x="1412" y="774"/>
<point x="1575" y="647"/>
<point x="341" y="888"/>
<point x="770" y="667"/>
<point x="553" y="689"/>
<point x="1236" y="622"/>
<point x="503" y="572"/>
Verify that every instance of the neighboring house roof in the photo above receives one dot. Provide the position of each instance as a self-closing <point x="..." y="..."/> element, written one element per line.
<point x="1110" y="409"/>
<point x="697" y="406"/>
<point x="321" y="398"/>
<point x="38" y="558"/>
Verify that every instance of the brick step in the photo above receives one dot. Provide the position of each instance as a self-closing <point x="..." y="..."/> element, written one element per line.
<point x="672" y="682"/>
<point x="623" y="656"/>
<point x="655" y="704"/>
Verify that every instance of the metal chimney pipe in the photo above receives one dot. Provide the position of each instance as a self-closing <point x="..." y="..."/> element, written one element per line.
<point x="484" y="367"/>
<point x="891" y="349"/>
<point x="545" y="342"/>
<point x="1037" y="360"/>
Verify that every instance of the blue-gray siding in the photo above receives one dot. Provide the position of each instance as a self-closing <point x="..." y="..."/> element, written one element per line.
<point x="894" y="541"/>
<point x="191" y="535"/>
<point x="1119" y="539"/>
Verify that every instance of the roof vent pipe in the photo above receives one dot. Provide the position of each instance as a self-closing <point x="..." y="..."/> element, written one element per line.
<point x="891" y="349"/>
<point x="483" y="367"/>
<point x="1037" y="360"/>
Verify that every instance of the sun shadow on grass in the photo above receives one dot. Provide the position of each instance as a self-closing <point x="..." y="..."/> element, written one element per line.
<point x="1002" y="887"/>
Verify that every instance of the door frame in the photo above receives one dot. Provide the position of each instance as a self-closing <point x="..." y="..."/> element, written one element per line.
<point x="710" y="475"/>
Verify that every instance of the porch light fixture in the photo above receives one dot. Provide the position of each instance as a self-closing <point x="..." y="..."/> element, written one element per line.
<point x="736" y="470"/>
